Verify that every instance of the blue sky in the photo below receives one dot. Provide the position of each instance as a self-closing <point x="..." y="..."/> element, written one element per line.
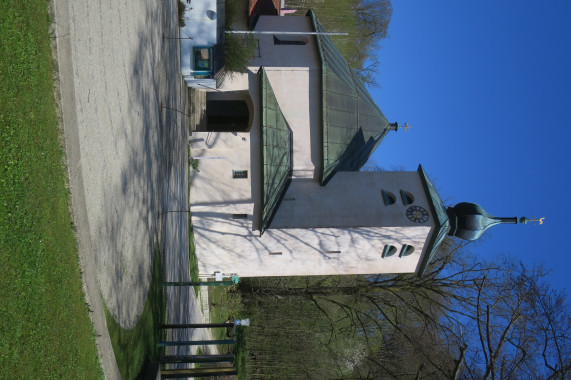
<point x="486" y="86"/>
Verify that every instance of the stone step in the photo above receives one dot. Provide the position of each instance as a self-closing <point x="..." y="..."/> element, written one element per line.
<point x="197" y="100"/>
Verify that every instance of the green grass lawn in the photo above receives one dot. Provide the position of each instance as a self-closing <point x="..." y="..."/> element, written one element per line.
<point x="192" y="167"/>
<point x="192" y="257"/>
<point x="45" y="331"/>
<point x="135" y="349"/>
<point x="225" y="304"/>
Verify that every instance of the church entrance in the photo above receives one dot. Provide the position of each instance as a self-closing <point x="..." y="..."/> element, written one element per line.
<point x="227" y="116"/>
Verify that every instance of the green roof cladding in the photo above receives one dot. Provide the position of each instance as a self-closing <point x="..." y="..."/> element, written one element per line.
<point x="276" y="148"/>
<point x="353" y="125"/>
<point x="441" y="221"/>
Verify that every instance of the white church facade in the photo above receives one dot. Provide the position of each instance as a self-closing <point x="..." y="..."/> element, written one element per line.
<point x="279" y="191"/>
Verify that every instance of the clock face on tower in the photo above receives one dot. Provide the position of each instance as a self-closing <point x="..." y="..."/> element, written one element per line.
<point x="417" y="214"/>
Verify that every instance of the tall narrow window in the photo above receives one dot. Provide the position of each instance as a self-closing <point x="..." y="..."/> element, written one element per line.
<point x="407" y="198"/>
<point x="239" y="174"/>
<point x="389" y="250"/>
<point x="256" y="53"/>
<point x="406" y="250"/>
<point x="388" y="198"/>
<point x="279" y="41"/>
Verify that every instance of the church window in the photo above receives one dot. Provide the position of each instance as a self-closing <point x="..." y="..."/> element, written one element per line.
<point x="239" y="216"/>
<point x="239" y="174"/>
<point x="389" y="250"/>
<point x="279" y="41"/>
<point x="406" y="250"/>
<point x="256" y="53"/>
<point x="388" y="197"/>
<point x="407" y="198"/>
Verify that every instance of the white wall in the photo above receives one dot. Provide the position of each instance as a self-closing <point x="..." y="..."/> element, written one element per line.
<point x="350" y="199"/>
<point x="294" y="72"/>
<point x="219" y="153"/>
<point x="294" y="75"/>
<point x="357" y="224"/>
<point x="229" y="246"/>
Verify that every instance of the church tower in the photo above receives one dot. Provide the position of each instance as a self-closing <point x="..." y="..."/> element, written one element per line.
<point x="359" y="223"/>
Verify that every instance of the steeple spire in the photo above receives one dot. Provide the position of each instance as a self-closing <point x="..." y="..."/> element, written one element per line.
<point x="469" y="221"/>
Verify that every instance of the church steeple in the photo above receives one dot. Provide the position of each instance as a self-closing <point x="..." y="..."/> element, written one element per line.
<point x="469" y="221"/>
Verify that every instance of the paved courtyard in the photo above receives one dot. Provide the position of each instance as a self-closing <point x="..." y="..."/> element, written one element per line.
<point x="127" y="154"/>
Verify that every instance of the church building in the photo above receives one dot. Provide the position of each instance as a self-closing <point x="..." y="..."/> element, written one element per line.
<point x="279" y="191"/>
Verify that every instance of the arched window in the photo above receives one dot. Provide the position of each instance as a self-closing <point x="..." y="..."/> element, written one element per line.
<point x="389" y="250"/>
<point x="406" y="250"/>
<point x="388" y="197"/>
<point x="407" y="198"/>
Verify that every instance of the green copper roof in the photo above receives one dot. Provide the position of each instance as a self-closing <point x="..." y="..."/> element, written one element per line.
<point x="353" y="125"/>
<point x="441" y="221"/>
<point x="276" y="145"/>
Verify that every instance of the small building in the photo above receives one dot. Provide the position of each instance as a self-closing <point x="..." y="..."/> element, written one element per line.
<point x="279" y="191"/>
<point x="202" y="43"/>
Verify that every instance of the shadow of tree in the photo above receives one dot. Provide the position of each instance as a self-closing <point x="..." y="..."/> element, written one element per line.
<point x="134" y="155"/>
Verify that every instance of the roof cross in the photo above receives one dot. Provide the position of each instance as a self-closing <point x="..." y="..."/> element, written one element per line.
<point x="395" y="126"/>
<point x="534" y="220"/>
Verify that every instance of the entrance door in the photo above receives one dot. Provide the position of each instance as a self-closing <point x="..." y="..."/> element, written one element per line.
<point x="227" y="115"/>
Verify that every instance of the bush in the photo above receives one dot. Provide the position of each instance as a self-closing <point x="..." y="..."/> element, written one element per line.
<point x="181" y="9"/>
<point x="237" y="52"/>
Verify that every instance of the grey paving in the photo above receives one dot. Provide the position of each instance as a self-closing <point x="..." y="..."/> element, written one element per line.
<point x="127" y="154"/>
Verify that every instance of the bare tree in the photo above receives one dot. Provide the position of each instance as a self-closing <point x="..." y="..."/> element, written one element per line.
<point x="369" y="24"/>
<point x="462" y="319"/>
<point x="376" y="16"/>
<point x="522" y="324"/>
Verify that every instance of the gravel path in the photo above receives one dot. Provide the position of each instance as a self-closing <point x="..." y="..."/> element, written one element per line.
<point x="127" y="154"/>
